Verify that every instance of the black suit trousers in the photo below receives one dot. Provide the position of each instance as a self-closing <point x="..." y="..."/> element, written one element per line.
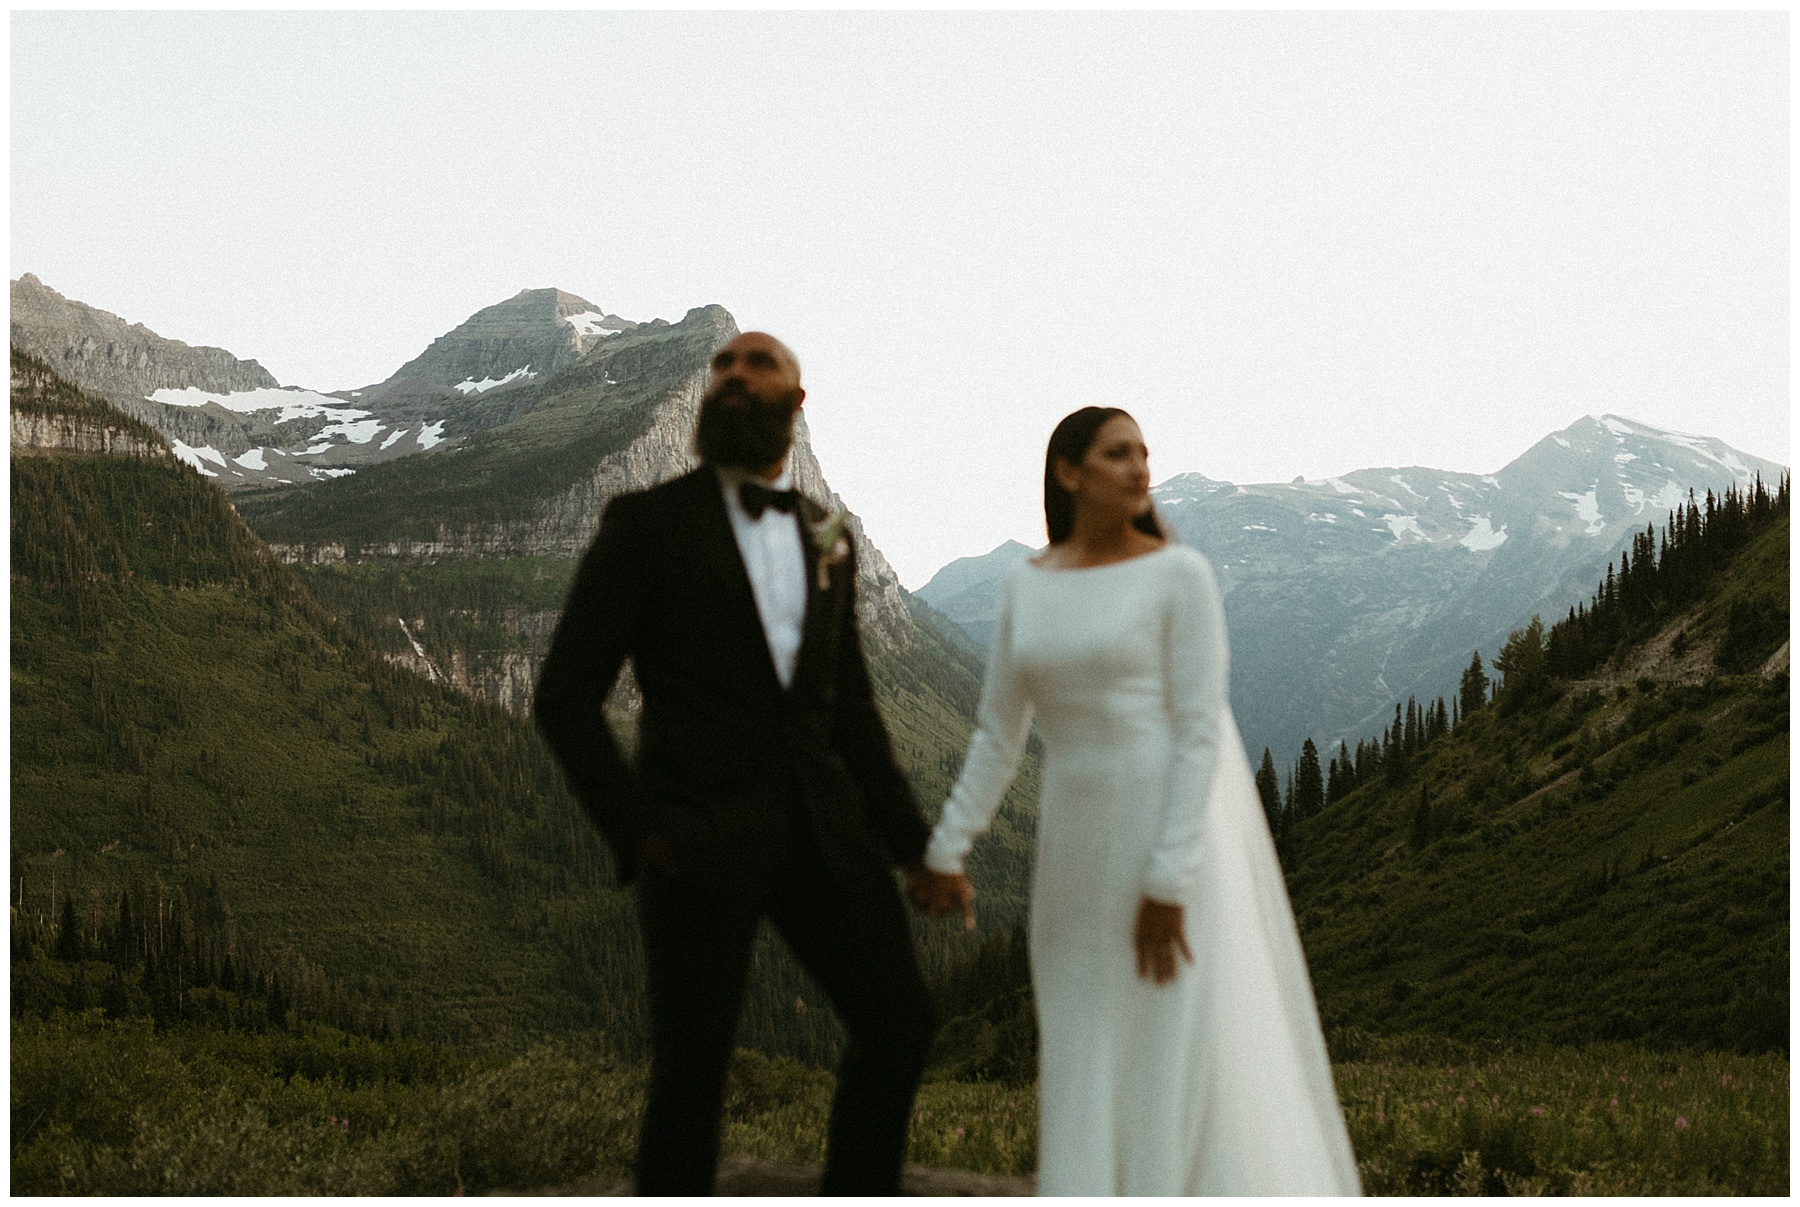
<point x="860" y="952"/>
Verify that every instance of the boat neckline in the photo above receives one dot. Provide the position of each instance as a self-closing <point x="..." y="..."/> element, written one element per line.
<point x="1126" y="561"/>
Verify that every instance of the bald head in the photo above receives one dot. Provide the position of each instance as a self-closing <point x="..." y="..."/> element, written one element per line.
<point x="767" y="367"/>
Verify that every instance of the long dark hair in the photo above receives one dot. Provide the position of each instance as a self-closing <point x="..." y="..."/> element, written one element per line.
<point x="1070" y="442"/>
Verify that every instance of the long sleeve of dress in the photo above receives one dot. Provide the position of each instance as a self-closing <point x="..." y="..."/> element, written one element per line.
<point x="1002" y="722"/>
<point x="1195" y="661"/>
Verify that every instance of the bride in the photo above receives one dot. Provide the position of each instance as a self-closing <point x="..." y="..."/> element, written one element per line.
<point x="1180" y="1050"/>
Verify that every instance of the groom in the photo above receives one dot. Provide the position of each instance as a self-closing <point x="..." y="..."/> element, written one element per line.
<point x="763" y="785"/>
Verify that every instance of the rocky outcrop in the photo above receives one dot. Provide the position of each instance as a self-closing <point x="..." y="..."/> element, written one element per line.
<point x="51" y="416"/>
<point x="37" y="435"/>
<point x="102" y="353"/>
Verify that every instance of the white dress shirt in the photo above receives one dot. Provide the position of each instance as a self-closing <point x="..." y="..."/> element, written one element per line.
<point x="776" y="562"/>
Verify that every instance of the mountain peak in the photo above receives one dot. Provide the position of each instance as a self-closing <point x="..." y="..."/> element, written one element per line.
<point x="528" y="336"/>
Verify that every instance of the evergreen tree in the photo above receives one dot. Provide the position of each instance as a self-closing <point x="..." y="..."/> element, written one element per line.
<point x="1474" y="687"/>
<point x="1521" y="662"/>
<point x="1309" y="784"/>
<point x="1393" y="749"/>
<point x="69" y="945"/>
<point x="1268" y="786"/>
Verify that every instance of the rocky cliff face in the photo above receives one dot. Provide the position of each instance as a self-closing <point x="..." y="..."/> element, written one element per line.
<point x="38" y="434"/>
<point x="120" y="361"/>
<point x="49" y="416"/>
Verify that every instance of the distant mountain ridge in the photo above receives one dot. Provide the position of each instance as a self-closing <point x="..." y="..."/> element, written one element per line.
<point x="1346" y="594"/>
<point x="231" y="421"/>
<point x="121" y="361"/>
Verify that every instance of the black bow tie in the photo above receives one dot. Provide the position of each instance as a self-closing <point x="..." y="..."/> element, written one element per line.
<point x="758" y="498"/>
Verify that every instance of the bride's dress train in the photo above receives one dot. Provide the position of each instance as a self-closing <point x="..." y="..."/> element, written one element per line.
<point x="1218" y="1083"/>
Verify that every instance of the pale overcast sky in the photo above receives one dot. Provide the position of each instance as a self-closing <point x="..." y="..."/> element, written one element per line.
<point x="1290" y="243"/>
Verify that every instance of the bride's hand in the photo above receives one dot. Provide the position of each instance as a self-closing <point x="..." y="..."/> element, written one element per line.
<point x="1158" y="937"/>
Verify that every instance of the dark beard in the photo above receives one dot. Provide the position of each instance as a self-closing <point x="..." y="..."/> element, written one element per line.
<point x="749" y="434"/>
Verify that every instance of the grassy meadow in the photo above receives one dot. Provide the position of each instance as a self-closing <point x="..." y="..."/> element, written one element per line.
<point x="116" y="1107"/>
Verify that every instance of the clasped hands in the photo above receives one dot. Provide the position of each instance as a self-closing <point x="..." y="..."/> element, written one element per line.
<point x="941" y="893"/>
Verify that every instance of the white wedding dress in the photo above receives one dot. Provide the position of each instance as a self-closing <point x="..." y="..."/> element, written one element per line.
<point x="1219" y="1082"/>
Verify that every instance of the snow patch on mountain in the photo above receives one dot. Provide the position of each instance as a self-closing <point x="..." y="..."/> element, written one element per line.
<point x="1325" y="517"/>
<point x="253" y="459"/>
<point x="1587" y="506"/>
<point x="1665" y="500"/>
<point x="1341" y="486"/>
<point x="197" y="457"/>
<point x="356" y="431"/>
<point x="1259" y="528"/>
<point x="1401" y="525"/>
<point x="1615" y="427"/>
<point x="329" y="473"/>
<point x="394" y="437"/>
<point x="470" y="386"/>
<point x="1481" y="536"/>
<point x="431" y="434"/>
<point x="1401" y="483"/>
<point x="292" y="403"/>
<point x="588" y="323"/>
<point x="1562" y="442"/>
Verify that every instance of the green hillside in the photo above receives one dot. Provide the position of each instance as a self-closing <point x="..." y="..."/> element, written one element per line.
<point x="186" y="717"/>
<point x="1603" y="858"/>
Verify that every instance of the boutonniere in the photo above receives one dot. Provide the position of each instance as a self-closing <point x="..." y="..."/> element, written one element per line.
<point x="833" y="546"/>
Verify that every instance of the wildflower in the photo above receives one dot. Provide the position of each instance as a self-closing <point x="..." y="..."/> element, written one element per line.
<point x="1461" y="1101"/>
<point x="1496" y="1102"/>
<point x="1681" y="1121"/>
<point x="1615" y="1101"/>
<point x="960" y="1133"/>
<point x="1537" y="1110"/>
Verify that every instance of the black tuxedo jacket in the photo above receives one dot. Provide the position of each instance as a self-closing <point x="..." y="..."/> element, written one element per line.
<point x="728" y="762"/>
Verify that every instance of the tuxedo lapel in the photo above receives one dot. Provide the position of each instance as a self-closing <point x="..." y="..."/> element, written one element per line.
<point x="815" y="634"/>
<point x="719" y="551"/>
